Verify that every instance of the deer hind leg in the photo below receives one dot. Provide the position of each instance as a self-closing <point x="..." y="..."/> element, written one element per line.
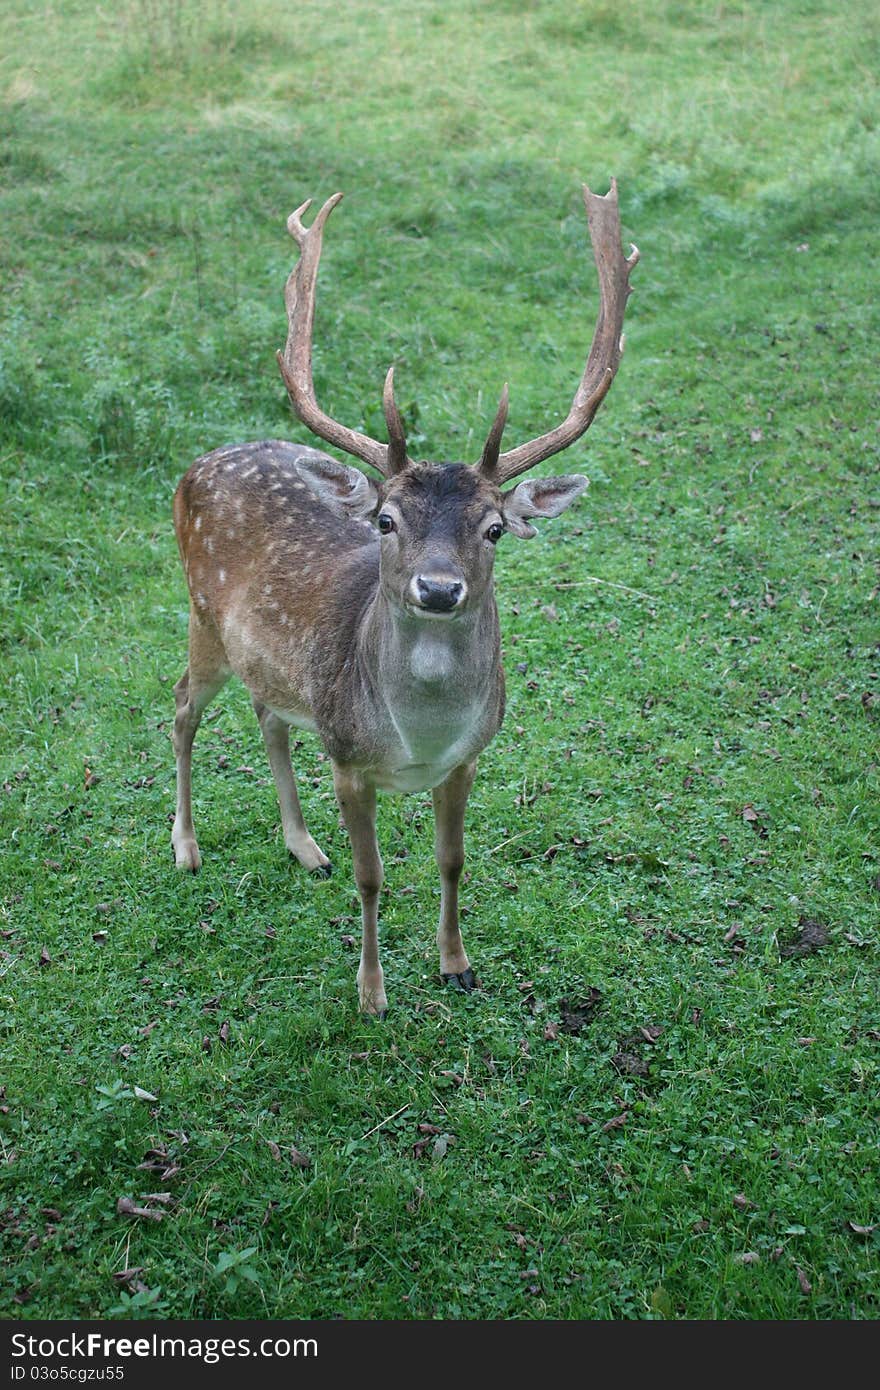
<point x="206" y="673"/>
<point x="276" y="736"/>
<point x="450" y="800"/>
<point x="357" y="802"/>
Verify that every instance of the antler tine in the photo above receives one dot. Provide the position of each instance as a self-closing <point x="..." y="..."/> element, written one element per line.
<point x="296" y="359"/>
<point x="397" y="455"/>
<point x="606" y="350"/>
<point x="489" y="459"/>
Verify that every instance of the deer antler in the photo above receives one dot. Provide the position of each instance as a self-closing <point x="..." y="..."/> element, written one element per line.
<point x="296" y="360"/>
<point x="606" y="350"/>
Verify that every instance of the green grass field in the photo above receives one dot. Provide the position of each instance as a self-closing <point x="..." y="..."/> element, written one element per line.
<point x="653" y="1107"/>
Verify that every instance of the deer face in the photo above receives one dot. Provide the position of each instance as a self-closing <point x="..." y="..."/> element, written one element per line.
<point x="439" y="525"/>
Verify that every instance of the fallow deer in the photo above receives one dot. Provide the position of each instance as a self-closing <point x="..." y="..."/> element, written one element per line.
<point x="364" y="611"/>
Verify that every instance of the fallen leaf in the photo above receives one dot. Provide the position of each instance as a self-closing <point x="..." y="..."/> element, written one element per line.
<point x="297" y="1158"/>
<point x="748" y="1257"/>
<point x="752" y="817"/>
<point x="224" y="1031"/>
<point x="861" y="1230"/>
<point x="551" y="1031"/>
<point x="441" y="1146"/>
<point x="127" y="1207"/>
<point x="159" y="1161"/>
<point x="652" y="1032"/>
<point x="806" y="1286"/>
<point x="741" y="1201"/>
<point x="617" y="1123"/>
<point x="45" y="958"/>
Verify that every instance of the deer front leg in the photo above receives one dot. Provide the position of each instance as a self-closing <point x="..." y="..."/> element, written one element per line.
<point x="357" y="802"/>
<point x="450" y="800"/>
<point x="276" y="736"/>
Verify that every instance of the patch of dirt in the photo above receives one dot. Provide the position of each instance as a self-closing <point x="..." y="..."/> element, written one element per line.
<point x="812" y="934"/>
<point x="576" y="1016"/>
<point x="629" y="1064"/>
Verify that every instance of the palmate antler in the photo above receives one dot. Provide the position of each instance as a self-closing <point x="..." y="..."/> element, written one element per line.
<point x="296" y="359"/>
<point x="606" y="350"/>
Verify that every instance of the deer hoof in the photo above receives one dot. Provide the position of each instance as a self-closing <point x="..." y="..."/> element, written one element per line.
<point x="466" y="981"/>
<point x="187" y="857"/>
<point x="321" y="871"/>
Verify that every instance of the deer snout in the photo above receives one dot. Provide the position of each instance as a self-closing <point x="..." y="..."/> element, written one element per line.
<point x="437" y="593"/>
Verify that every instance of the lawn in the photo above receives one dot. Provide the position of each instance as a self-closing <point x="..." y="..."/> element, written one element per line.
<point x="663" y="1100"/>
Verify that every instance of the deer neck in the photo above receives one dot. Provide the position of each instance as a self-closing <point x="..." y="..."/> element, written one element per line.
<point x="440" y="685"/>
<point x="435" y="660"/>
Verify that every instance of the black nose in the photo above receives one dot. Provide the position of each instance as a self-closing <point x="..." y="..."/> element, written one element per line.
<point x="439" y="595"/>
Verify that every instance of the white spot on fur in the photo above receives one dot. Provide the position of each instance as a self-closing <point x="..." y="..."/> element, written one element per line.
<point x="431" y="659"/>
<point x="221" y="575"/>
<point x="198" y="523"/>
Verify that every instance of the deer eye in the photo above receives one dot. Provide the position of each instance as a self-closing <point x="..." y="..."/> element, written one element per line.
<point x="495" y="532"/>
<point x="385" y="523"/>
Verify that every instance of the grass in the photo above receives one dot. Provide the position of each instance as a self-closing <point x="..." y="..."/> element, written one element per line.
<point x="688" y="769"/>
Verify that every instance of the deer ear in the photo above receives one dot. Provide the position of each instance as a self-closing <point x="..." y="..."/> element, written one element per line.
<point x="345" y="490"/>
<point x="540" y="497"/>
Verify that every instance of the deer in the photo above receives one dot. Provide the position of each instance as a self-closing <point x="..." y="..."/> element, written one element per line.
<point x="362" y="609"/>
